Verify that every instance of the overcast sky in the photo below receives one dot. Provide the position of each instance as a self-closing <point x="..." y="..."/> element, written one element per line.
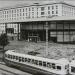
<point x="6" y="3"/>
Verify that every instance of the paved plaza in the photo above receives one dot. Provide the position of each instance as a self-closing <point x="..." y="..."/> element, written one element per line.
<point x="55" y="50"/>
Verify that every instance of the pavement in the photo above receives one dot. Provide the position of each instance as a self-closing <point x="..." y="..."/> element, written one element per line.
<point x="5" y="70"/>
<point x="55" y="51"/>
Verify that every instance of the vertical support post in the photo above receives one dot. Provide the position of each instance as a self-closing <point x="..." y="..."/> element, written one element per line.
<point x="18" y="32"/>
<point x="69" y="34"/>
<point x="6" y="28"/>
<point x="63" y="31"/>
<point x="46" y="38"/>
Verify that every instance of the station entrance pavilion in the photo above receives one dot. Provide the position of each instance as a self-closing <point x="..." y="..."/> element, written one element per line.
<point x="58" y="31"/>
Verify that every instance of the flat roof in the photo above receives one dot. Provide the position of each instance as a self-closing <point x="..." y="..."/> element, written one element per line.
<point x="34" y="4"/>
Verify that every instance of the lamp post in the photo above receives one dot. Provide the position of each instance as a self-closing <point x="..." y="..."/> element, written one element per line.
<point x="46" y="38"/>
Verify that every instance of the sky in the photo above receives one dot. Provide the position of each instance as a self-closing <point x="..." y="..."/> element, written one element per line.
<point x="7" y="3"/>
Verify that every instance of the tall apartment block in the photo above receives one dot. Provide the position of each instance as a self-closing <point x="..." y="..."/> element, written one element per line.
<point x="27" y="22"/>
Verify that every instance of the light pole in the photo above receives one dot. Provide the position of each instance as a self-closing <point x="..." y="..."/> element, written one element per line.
<point x="46" y="38"/>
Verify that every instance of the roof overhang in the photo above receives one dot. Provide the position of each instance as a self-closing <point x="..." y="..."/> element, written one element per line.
<point x="52" y="18"/>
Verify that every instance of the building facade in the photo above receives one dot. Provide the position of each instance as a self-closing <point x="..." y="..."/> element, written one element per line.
<point x="28" y="22"/>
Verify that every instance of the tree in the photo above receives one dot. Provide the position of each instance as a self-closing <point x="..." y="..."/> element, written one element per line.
<point x="3" y="41"/>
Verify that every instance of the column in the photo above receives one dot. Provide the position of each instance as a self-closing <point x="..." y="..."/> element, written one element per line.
<point x="18" y="31"/>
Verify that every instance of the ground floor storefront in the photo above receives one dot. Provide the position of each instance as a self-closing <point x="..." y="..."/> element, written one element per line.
<point x="58" y="31"/>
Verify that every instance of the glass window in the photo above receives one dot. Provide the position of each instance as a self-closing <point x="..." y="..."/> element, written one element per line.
<point x="32" y="9"/>
<point x="23" y="10"/>
<point x="49" y="65"/>
<point x="53" y="65"/>
<point x="52" y="12"/>
<point x="32" y="61"/>
<point x="29" y="60"/>
<point x="44" y="64"/>
<point x="5" y="55"/>
<point x="26" y="9"/>
<point x="19" y="59"/>
<point x="42" y="13"/>
<point x="42" y="8"/>
<point x="12" y="11"/>
<point x="48" y="12"/>
<point x="48" y="8"/>
<point x="52" y="7"/>
<point x="56" y="7"/>
<point x="36" y="62"/>
<point x="8" y="56"/>
<point x="13" y="57"/>
<point x="40" y="63"/>
<point x="22" y="59"/>
<point x="16" y="57"/>
<point x="56" y="11"/>
<point x="20" y="10"/>
<point x="25" y="59"/>
<point x="59" y="67"/>
<point x="72" y="69"/>
<point x="29" y="9"/>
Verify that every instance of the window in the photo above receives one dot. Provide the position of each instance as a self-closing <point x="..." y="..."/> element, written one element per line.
<point x="40" y="63"/>
<point x="13" y="57"/>
<point x="16" y="57"/>
<point x="42" y="8"/>
<point x="49" y="65"/>
<point x="52" y="7"/>
<point x="19" y="59"/>
<point x="26" y="9"/>
<point x="52" y="12"/>
<point x="48" y="12"/>
<point x="53" y="66"/>
<point x="32" y="9"/>
<point x="48" y="8"/>
<point x="23" y="10"/>
<point x="56" y="7"/>
<point x="29" y="9"/>
<point x="25" y="59"/>
<point x="23" y="14"/>
<point x="8" y="56"/>
<point x="22" y="59"/>
<point x="56" y="11"/>
<point x="72" y="69"/>
<point x="44" y="64"/>
<point x="29" y="60"/>
<point x="59" y="67"/>
<point x="36" y="62"/>
<point x="32" y="61"/>
<point x="42" y="13"/>
<point x="20" y="10"/>
<point x="12" y="11"/>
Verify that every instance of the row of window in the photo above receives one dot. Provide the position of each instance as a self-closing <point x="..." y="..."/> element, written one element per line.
<point x="26" y="14"/>
<point x="28" y="9"/>
<point x="33" y="61"/>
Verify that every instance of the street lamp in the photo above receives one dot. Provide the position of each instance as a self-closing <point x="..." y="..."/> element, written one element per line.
<point x="46" y="38"/>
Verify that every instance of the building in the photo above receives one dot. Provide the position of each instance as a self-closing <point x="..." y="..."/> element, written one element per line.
<point x="28" y="22"/>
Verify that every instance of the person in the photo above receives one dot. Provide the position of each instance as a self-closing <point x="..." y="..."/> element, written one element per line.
<point x="28" y="39"/>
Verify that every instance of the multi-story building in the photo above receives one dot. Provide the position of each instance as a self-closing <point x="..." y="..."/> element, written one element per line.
<point x="28" y="21"/>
